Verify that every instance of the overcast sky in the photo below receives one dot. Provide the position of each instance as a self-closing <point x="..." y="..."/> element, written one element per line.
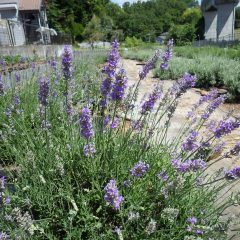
<point x="120" y="2"/>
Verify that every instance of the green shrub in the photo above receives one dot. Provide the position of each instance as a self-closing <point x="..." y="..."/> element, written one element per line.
<point x="132" y="42"/>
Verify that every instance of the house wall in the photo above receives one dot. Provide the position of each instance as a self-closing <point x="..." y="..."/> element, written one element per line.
<point x="225" y="21"/>
<point x="210" y="24"/>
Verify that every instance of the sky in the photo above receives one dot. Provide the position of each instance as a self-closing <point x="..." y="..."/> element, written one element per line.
<point x="120" y="2"/>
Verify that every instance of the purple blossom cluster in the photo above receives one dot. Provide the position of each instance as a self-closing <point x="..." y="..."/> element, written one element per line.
<point x="149" y="65"/>
<point x="208" y="97"/>
<point x="213" y="106"/>
<point x="167" y="55"/>
<point x="119" y="85"/>
<point x="187" y="81"/>
<point x="163" y="176"/>
<point x="148" y="105"/>
<point x="67" y="62"/>
<point x="139" y="169"/>
<point x="190" y="143"/>
<point x="110" y="70"/>
<point x="225" y="128"/>
<point x="236" y="149"/>
<point x="4" y="200"/>
<point x="1" y="86"/>
<point x="89" y="150"/>
<point x="43" y="91"/>
<point x="188" y="165"/>
<point x="86" y="123"/>
<point x="233" y="174"/>
<point x="192" y="221"/>
<point x="112" y="195"/>
<point x="17" y="77"/>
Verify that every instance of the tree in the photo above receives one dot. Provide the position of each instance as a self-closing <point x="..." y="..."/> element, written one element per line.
<point x="192" y="15"/>
<point x="92" y="31"/>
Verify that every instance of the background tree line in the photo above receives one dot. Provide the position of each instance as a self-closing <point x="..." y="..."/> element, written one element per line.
<point x="95" y="20"/>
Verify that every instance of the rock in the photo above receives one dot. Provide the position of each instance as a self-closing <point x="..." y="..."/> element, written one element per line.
<point x="203" y="92"/>
<point x="222" y="91"/>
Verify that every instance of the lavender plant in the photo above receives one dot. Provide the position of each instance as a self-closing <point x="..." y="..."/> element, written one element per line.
<point x="105" y="175"/>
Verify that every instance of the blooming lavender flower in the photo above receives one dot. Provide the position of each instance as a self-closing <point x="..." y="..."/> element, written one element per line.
<point x="225" y="128"/>
<point x="110" y="69"/>
<point x="163" y="176"/>
<point x="213" y="106"/>
<point x="89" y="150"/>
<point x="149" y="65"/>
<point x="43" y="91"/>
<point x="218" y="148"/>
<point x="17" y="77"/>
<point x="112" y="195"/>
<point x="192" y="220"/>
<point x="199" y="232"/>
<point x="53" y="64"/>
<point x="115" y="123"/>
<point x="190" y="143"/>
<point x="16" y="100"/>
<point x="167" y="55"/>
<point x="235" y="150"/>
<point x="3" y="181"/>
<point x="187" y="81"/>
<point x="119" y="86"/>
<point x="118" y="231"/>
<point x="189" y="165"/>
<point x="233" y="174"/>
<point x="148" y="105"/>
<point x="208" y="97"/>
<point x="67" y="62"/>
<point x="137" y="125"/>
<point x="86" y="123"/>
<point x="1" y="86"/>
<point x="139" y="169"/>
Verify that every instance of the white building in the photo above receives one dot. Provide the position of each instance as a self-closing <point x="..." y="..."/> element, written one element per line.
<point x="219" y="18"/>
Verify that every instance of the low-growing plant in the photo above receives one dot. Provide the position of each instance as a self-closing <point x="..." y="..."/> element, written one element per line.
<point x="91" y="163"/>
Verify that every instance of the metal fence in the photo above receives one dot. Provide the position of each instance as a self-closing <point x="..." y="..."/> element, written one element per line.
<point x="15" y="33"/>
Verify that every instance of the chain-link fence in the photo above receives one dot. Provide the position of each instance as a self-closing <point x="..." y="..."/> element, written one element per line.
<point x="15" y="33"/>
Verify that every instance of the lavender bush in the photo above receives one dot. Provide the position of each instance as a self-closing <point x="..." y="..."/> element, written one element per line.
<point x="93" y="175"/>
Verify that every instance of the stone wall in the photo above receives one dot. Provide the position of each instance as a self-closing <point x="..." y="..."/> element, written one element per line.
<point x="31" y="51"/>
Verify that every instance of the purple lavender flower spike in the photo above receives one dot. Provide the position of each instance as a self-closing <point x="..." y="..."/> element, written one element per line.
<point x="16" y="100"/>
<point x="43" y="91"/>
<point x="110" y="69"/>
<point x="139" y="169"/>
<point x="1" y="86"/>
<point x="149" y="65"/>
<point x="187" y="81"/>
<point x="189" y="165"/>
<point x="17" y="77"/>
<point x="225" y="128"/>
<point x="213" y="106"/>
<point x="192" y="220"/>
<point x="89" y="150"/>
<point x="167" y="55"/>
<point x="190" y="143"/>
<point x="119" y="86"/>
<point x="3" y="181"/>
<point x="163" y="176"/>
<point x="67" y="62"/>
<point x="112" y="195"/>
<point x="86" y="123"/>
<point x="115" y="123"/>
<point x="235" y="150"/>
<point x="148" y="105"/>
<point x="233" y="174"/>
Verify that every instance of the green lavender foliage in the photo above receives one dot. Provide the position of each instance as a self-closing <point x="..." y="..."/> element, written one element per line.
<point x="63" y="189"/>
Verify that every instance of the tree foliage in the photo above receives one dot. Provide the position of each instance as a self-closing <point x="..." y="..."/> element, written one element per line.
<point x="143" y="20"/>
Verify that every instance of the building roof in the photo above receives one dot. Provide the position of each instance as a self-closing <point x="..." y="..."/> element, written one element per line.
<point x="211" y="5"/>
<point x="30" y="4"/>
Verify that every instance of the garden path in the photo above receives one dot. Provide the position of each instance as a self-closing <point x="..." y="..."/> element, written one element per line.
<point x="190" y="97"/>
